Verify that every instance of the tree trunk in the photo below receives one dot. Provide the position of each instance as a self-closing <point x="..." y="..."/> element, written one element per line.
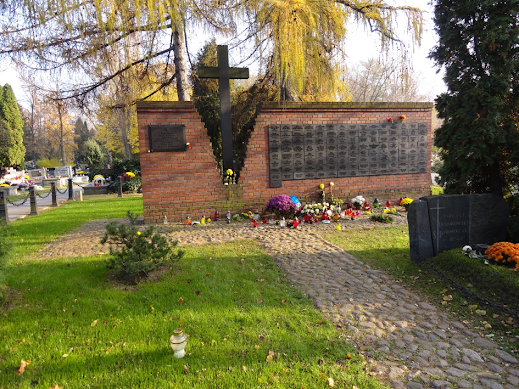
<point x="180" y="65"/>
<point x="124" y="126"/>
<point x="61" y="148"/>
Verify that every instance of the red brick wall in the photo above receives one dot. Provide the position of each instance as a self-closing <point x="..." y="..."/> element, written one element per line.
<point x="177" y="184"/>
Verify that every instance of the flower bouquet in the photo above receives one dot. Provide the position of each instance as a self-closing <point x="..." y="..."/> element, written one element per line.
<point x="406" y="202"/>
<point x="229" y="174"/>
<point x="281" y="206"/>
<point x="358" y="202"/>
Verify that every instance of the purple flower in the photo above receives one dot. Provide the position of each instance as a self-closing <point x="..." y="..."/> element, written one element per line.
<point x="281" y="205"/>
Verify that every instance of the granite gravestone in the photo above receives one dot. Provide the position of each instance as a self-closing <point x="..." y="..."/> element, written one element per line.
<point x="311" y="151"/>
<point x="440" y="223"/>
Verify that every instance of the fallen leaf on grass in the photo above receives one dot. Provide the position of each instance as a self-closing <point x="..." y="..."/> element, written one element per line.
<point x="244" y="368"/>
<point x="152" y="309"/>
<point x="331" y="383"/>
<point x="320" y="362"/>
<point x="23" y="365"/>
<point x="259" y="301"/>
<point x="180" y="300"/>
<point x="55" y="387"/>
<point x="447" y="298"/>
<point x="94" y="323"/>
<point x="348" y="356"/>
<point x="444" y="290"/>
<point x="269" y="358"/>
<point x="262" y="337"/>
<point x="186" y="369"/>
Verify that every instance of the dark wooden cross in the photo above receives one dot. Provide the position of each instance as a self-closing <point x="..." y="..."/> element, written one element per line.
<point x="223" y="72"/>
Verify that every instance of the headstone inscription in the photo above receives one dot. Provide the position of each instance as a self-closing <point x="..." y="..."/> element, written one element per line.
<point x="223" y="73"/>
<point x="440" y="223"/>
<point x="63" y="171"/>
<point x="345" y="150"/>
<point x="167" y="138"/>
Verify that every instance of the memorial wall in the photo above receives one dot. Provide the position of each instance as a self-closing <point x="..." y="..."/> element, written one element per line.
<point x="299" y="152"/>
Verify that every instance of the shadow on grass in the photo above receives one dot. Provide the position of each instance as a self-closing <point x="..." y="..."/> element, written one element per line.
<point x="78" y="328"/>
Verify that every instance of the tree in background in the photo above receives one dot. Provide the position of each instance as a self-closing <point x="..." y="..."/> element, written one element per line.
<point x="12" y="150"/>
<point x="205" y="97"/>
<point x="81" y="134"/>
<point x="94" y="153"/>
<point x="479" y="139"/>
<point x="33" y="129"/>
<point x="299" y="38"/>
<point x="376" y="80"/>
<point x="60" y="131"/>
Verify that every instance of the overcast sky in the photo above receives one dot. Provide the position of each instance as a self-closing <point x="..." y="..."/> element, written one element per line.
<point x="360" y="46"/>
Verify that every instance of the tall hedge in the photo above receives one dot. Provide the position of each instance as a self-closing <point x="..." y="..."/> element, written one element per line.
<point x="12" y="149"/>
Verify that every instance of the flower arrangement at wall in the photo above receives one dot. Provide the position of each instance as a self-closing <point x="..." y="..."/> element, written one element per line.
<point x="228" y="177"/>
<point x="358" y="202"/>
<point x="406" y="202"/>
<point x="321" y="192"/>
<point x="188" y="146"/>
<point x="505" y="253"/>
<point x="281" y="206"/>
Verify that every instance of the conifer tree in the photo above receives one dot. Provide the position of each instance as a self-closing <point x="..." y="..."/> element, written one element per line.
<point x="12" y="150"/>
<point x="479" y="49"/>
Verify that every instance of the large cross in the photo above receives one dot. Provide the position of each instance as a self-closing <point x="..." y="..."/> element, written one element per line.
<point x="223" y="72"/>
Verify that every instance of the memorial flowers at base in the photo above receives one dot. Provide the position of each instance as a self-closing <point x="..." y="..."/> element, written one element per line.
<point x="228" y="177"/>
<point x="321" y="192"/>
<point x="281" y="206"/>
<point x="406" y="202"/>
<point x="358" y="202"/>
<point x="505" y="253"/>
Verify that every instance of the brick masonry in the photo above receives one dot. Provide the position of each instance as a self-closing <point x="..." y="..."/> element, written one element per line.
<point x="178" y="184"/>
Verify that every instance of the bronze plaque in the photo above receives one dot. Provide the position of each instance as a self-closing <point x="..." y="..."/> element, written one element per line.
<point x="167" y="138"/>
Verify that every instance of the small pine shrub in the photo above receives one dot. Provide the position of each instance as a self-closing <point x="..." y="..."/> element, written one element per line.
<point x="134" y="254"/>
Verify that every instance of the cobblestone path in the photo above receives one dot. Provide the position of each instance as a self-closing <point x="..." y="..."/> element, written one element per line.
<point x="405" y="340"/>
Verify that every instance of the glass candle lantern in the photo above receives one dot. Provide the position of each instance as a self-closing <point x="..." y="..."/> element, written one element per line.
<point x="178" y="342"/>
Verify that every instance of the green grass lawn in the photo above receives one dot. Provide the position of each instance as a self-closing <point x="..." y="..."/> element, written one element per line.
<point x="77" y="327"/>
<point x="387" y="249"/>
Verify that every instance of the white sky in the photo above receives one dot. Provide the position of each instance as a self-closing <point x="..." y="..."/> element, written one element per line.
<point x="360" y="46"/>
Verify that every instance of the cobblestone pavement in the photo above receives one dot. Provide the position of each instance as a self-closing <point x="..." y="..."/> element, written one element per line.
<point x="405" y="340"/>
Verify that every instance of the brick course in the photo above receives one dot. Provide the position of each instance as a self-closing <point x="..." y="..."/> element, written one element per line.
<point x="178" y="184"/>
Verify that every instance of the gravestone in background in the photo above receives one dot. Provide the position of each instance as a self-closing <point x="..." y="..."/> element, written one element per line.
<point x="440" y="223"/>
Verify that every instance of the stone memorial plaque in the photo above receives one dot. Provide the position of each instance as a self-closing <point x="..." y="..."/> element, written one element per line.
<point x="167" y="138"/>
<point x="346" y="150"/>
